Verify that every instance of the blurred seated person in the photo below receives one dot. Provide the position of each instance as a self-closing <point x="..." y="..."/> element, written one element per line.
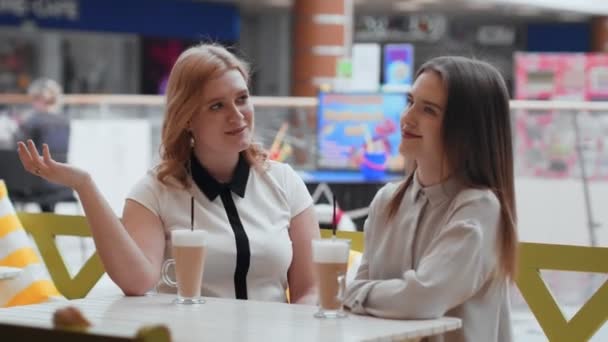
<point x="48" y="124"/>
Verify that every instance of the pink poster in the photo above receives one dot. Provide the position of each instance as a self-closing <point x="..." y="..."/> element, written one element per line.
<point x="546" y="141"/>
<point x="549" y="76"/>
<point x="596" y="74"/>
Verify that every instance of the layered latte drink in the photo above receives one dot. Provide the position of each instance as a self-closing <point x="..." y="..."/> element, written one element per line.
<point x="189" y="250"/>
<point x="330" y="257"/>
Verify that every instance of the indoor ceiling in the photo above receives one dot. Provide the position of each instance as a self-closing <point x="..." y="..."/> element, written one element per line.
<point x="564" y="9"/>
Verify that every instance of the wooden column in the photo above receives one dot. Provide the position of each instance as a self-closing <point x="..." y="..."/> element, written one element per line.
<point x="599" y="34"/>
<point x="319" y="40"/>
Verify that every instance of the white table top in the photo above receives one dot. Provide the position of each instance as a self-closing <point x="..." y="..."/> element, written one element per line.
<point x="9" y="272"/>
<point x="227" y="320"/>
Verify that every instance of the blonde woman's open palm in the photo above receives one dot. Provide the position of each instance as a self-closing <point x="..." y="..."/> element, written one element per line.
<point x="44" y="166"/>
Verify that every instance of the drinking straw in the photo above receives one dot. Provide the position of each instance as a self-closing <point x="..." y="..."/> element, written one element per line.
<point x="192" y="213"/>
<point x="278" y="139"/>
<point x="333" y="221"/>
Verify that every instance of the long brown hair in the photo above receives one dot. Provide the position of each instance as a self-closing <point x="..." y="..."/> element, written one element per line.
<point x="194" y="67"/>
<point x="477" y="139"/>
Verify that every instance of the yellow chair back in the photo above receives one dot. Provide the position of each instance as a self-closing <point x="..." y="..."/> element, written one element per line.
<point x="44" y="227"/>
<point x="33" y="285"/>
<point x="592" y="315"/>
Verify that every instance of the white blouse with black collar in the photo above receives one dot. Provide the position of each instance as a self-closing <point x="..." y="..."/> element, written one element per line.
<point x="247" y="220"/>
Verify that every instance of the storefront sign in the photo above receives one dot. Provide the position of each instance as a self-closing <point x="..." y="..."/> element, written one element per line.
<point x="157" y="18"/>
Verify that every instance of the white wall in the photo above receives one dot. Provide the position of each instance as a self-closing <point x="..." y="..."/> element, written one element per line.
<point x="553" y="211"/>
<point x="114" y="151"/>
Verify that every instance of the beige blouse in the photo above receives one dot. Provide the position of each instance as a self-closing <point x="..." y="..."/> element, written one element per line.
<point x="436" y="257"/>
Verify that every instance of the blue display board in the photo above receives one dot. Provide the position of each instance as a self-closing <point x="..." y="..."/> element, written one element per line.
<point x="353" y="125"/>
<point x="558" y="37"/>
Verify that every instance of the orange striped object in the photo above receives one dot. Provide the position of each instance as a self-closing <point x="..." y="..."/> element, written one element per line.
<point x="34" y="284"/>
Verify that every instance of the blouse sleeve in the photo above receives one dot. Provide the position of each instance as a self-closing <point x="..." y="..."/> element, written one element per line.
<point x="363" y="271"/>
<point x="147" y="193"/>
<point x="456" y="264"/>
<point x="297" y="194"/>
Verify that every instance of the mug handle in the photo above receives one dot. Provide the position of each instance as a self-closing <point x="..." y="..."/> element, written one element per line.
<point x="165" y="273"/>
<point x="341" y="288"/>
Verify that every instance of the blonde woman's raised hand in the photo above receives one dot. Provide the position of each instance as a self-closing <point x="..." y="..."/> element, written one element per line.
<point x="44" y="166"/>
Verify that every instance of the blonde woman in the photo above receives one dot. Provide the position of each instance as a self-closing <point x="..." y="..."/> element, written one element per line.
<point x="257" y="212"/>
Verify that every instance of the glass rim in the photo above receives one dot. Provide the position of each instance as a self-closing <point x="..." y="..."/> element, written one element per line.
<point x="200" y="234"/>
<point x="333" y="238"/>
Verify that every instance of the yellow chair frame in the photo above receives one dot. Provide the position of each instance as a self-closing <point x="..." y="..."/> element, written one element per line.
<point x="592" y="315"/>
<point x="44" y="227"/>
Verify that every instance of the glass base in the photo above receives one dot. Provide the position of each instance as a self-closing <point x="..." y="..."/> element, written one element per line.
<point x="330" y="314"/>
<point x="188" y="301"/>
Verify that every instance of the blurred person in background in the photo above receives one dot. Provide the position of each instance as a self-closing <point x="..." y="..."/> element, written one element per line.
<point x="257" y="212"/>
<point x="444" y="240"/>
<point x="46" y="123"/>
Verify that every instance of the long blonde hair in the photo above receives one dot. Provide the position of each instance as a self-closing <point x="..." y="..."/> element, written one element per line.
<point x="194" y="67"/>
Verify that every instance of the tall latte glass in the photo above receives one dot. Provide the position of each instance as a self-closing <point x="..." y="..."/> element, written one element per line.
<point x="330" y="258"/>
<point x="189" y="250"/>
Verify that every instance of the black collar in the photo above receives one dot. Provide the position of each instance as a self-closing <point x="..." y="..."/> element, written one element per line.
<point x="211" y="187"/>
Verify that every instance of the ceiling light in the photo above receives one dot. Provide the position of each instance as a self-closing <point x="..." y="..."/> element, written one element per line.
<point x="407" y="6"/>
